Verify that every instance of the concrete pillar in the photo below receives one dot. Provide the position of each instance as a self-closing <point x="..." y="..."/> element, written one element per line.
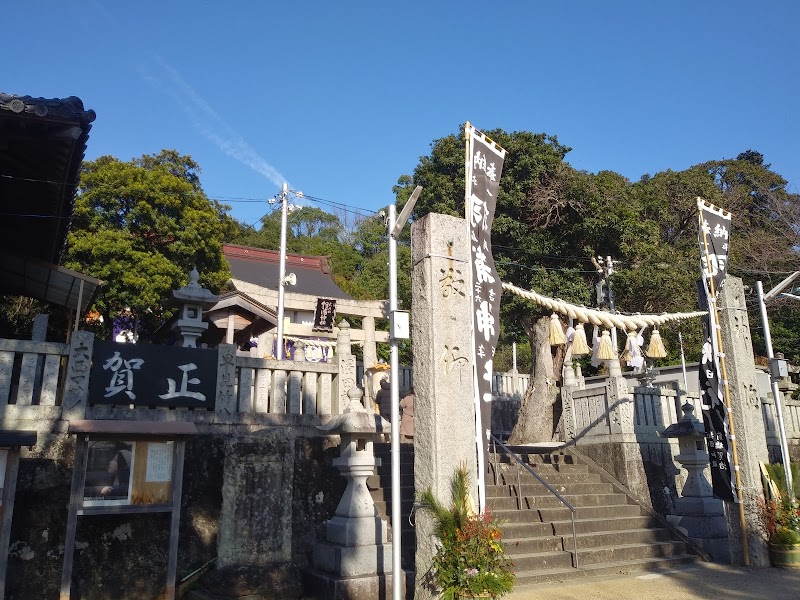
<point x="444" y="415"/>
<point x="748" y="422"/>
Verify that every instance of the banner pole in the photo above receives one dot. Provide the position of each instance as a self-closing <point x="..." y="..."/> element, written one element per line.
<point x="726" y="394"/>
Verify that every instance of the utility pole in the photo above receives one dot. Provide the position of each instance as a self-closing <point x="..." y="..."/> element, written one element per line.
<point x="283" y="279"/>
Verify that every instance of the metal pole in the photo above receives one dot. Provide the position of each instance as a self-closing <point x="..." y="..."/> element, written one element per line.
<point x="776" y="393"/>
<point x="395" y="403"/>
<point x="282" y="270"/>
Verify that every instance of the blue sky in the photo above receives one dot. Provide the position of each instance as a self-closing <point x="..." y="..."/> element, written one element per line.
<point x="341" y="98"/>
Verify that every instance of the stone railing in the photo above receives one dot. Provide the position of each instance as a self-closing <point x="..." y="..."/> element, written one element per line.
<point x="44" y="382"/>
<point x="791" y="419"/>
<point x="510" y="384"/>
<point x="599" y="411"/>
<point x="31" y="379"/>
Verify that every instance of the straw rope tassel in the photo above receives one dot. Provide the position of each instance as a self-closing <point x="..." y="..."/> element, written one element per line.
<point x="656" y="348"/>
<point x="630" y="343"/>
<point x="557" y="336"/>
<point x="606" y="349"/>
<point x="580" y="347"/>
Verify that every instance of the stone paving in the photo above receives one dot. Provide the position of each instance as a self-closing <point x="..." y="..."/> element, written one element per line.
<point x="705" y="581"/>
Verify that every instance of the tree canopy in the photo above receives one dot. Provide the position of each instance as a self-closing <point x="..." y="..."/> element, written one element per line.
<point x="141" y="226"/>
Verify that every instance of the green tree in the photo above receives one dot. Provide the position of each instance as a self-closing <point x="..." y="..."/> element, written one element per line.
<point x="141" y="226"/>
<point x="551" y="219"/>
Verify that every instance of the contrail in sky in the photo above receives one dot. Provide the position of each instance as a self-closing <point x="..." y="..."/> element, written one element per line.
<point x="206" y="120"/>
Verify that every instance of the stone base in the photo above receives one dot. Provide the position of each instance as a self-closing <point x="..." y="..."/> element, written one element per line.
<point x="325" y="586"/>
<point x="355" y="561"/>
<point x="710" y="533"/>
<point x="705" y="506"/>
<point x="356" y="531"/>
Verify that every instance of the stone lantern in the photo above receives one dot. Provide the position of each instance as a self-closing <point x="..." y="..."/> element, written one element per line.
<point x="192" y="299"/>
<point x="699" y="515"/>
<point x="355" y="557"/>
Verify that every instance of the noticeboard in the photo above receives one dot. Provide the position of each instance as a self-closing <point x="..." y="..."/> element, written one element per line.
<point x="128" y="473"/>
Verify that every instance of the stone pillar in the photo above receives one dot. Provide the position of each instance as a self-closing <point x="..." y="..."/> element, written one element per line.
<point x="76" y="387"/>
<point x="748" y="422"/>
<point x="346" y="361"/>
<point x="444" y="411"/>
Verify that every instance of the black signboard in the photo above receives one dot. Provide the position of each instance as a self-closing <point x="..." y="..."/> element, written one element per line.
<point x="148" y="375"/>
<point x="325" y="315"/>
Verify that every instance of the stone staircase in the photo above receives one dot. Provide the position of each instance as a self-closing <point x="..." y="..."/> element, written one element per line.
<point x="614" y="535"/>
<point x="380" y="486"/>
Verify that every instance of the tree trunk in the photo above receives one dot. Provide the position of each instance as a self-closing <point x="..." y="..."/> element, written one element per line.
<point x="536" y="420"/>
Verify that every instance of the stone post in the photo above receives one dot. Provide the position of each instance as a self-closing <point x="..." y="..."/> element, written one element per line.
<point x="748" y="422"/>
<point x="620" y="401"/>
<point x="346" y="361"/>
<point x="370" y="360"/>
<point x="444" y="412"/>
<point x="76" y="387"/>
<point x="569" y="384"/>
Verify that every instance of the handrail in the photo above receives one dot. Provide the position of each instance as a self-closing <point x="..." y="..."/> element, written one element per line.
<point x="527" y="467"/>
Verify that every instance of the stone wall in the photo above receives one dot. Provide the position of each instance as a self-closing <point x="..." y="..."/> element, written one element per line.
<point x="274" y="516"/>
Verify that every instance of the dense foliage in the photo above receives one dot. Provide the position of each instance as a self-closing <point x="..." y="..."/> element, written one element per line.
<point x="141" y="226"/>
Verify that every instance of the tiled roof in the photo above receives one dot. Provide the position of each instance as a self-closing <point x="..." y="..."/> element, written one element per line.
<point x="262" y="267"/>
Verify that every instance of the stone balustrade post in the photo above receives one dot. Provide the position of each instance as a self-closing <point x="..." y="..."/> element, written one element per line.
<point x="76" y="387"/>
<point x="620" y="400"/>
<point x="346" y="362"/>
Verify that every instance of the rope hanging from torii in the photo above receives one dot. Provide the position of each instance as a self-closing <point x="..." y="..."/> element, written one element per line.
<point x="599" y="317"/>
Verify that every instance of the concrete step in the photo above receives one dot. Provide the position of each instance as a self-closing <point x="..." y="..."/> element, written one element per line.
<point x="540" y="468"/>
<point x="547" y="500"/>
<point x="527" y="578"/>
<point x="541" y="561"/>
<point x="564" y="528"/>
<point x="618" y="538"/>
<point x="630" y="552"/>
<point x="527" y="530"/>
<point x="589" y="512"/>
<point x="509" y="477"/>
<point x="531" y="545"/>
